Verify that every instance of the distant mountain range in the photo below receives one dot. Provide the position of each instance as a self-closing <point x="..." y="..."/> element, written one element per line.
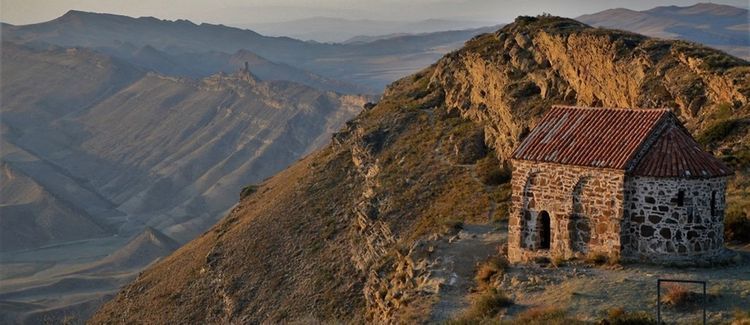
<point x="95" y="149"/>
<point x="720" y="26"/>
<point x="106" y="146"/>
<point x="370" y="65"/>
<point x="339" y="30"/>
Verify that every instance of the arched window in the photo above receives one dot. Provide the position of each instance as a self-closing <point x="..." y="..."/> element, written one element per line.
<point x="680" y="198"/>
<point x="713" y="203"/>
<point x="545" y="232"/>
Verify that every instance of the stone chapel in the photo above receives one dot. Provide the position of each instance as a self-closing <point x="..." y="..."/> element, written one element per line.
<point x="629" y="183"/>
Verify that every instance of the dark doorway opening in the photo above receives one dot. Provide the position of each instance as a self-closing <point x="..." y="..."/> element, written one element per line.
<point x="544" y="230"/>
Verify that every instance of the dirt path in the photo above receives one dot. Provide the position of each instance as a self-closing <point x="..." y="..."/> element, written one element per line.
<point x="456" y="259"/>
<point x="589" y="292"/>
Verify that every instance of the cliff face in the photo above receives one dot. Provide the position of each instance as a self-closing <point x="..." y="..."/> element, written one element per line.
<point x="507" y="78"/>
<point x="348" y="233"/>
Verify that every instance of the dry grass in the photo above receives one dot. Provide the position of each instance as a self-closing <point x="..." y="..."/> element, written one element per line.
<point x="493" y="267"/>
<point x="598" y="258"/>
<point x="679" y="296"/>
<point x="491" y="171"/>
<point x="248" y="190"/>
<point x="543" y="316"/>
<point x="741" y="317"/>
<point x="484" y="307"/>
<point x="452" y="226"/>
<point x="558" y="261"/>
<point x="618" y="316"/>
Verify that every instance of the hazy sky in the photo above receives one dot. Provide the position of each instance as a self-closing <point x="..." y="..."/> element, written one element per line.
<point x="231" y="12"/>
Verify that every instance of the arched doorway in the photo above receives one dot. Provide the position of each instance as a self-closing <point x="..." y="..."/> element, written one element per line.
<point x="544" y="230"/>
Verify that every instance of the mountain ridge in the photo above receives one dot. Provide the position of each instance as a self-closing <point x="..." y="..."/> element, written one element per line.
<point x="95" y="150"/>
<point x="370" y="65"/>
<point x="365" y="213"/>
<point x="721" y="26"/>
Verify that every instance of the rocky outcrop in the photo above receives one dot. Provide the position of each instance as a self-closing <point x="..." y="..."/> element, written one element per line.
<point x="372" y="237"/>
<point x="504" y="80"/>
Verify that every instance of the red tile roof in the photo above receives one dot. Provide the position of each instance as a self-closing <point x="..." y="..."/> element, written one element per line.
<point x="676" y="154"/>
<point x="614" y="137"/>
<point x="596" y="137"/>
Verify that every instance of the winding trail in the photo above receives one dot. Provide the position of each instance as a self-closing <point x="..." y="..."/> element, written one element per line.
<point x="456" y="259"/>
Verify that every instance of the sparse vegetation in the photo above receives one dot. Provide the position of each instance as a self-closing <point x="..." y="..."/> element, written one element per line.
<point x="491" y="171"/>
<point x="558" y="261"/>
<point x="248" y="190"/>
<point x="618" y="316"/>
<point x="679" y="296"/>
<point x="720" y="130"/>
<point x="542" y="260"/>
<point x="543" y="316"/>
<point x="598" y="258"/>
<point x="484" y="306"/>
<point x="489" y="269"/>
<point x="452" y="226"/>
<point x="739" y="158"/>
<point x="741" y="317"/>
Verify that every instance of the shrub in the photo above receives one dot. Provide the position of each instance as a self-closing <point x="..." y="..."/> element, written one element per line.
<point x="618" y="316"/>
<point x="493" y="266"/>
<point x="543" y="315"/>
<point x="248" y="190"/>
<point x="502" y="212"/>
<point x="491" y="171"/>
<point x="452" y="226"/>
<point x="487" y="304"/>
<point x="680" y="297"/>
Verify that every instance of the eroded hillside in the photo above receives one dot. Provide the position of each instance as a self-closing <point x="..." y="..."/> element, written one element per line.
<point x="93" y="150"/>
<point x="349" y="233"/>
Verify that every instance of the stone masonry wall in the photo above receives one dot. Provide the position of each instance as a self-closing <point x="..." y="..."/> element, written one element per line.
<point x="585" y="206"/>
<point x="659" y="228"/>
